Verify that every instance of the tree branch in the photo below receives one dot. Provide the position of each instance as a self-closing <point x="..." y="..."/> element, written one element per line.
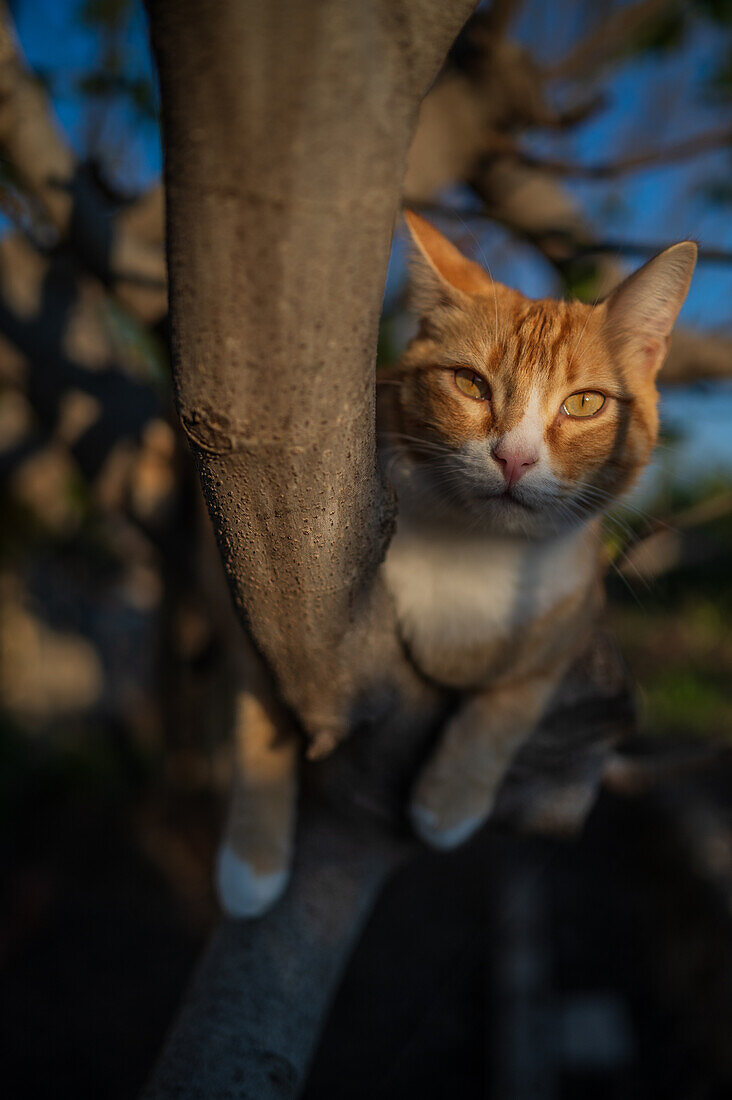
<point x="681" y="150"/>
<point x="64" y="194"/>
<point x="301" y="518"/>
<point x="534" y="207"/>
<point x="501" y="14"/>
<point x="695" y="356"/>
<point x="280" y="214"/>
<point x="251" y="1020"/>
<point x="675" y="541"/>
<point x="606" y="39"/>
<point x="566" y="246"/>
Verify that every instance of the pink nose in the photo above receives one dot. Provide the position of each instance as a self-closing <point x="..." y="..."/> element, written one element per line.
<point x="514" y="463"/>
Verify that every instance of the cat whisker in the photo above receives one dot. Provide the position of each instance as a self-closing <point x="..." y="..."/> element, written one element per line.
<point x="603" y="496"/>
<point x="614" y="565"/>
<point x="421" y="441"/>
<point x="579" y="340"/>
<point x="485" y="264"/>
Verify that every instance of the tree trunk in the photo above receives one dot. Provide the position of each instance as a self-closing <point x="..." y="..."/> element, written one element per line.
<point x="253" y="1014"/>
<point x="286" y="128"/>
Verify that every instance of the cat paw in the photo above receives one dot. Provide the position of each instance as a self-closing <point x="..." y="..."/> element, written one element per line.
<point x="439" y="834"/>
<point x="242" y="892"/>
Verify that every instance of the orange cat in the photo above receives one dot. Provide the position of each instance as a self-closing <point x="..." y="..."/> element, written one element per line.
<point x="514" y="425"/>
<point x="511" y="426"/>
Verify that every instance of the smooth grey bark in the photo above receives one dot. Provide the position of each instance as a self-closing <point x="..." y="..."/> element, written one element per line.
<point x="286" y="128"/>
<point x="241" y="1036"/>
<point x="251" y="1019"/>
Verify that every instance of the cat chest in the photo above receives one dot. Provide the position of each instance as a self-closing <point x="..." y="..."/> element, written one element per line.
<point x="470" y="607"/>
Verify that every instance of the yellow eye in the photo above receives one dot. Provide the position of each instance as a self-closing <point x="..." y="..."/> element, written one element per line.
<point x="584" y="404"/>
<point x="471" y="384"/>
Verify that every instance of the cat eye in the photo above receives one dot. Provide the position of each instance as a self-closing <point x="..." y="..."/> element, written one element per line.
<point x="471" y="384"/>
<point x="583" y="404"/>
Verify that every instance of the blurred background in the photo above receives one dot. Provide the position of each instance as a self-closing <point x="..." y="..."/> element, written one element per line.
<point x="516" y="968"/>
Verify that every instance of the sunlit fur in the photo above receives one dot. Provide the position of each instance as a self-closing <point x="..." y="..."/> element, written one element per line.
<point x="495" y="569"/>
<point x="533" y="354"/>
<point x="495" y="592"/>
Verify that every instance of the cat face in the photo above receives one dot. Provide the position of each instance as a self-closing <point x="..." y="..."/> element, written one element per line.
<point x="530" y="416"/>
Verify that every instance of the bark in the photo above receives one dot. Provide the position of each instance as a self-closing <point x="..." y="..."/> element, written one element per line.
<point x="254" y="1009"/>
<point x="286" y="132"/>
<point x="250" y="1022"/>
<point x="608" y="38"/>
<point x="252" y="1017"/>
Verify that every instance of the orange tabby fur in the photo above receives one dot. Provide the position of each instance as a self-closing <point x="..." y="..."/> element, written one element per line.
<point x="496" y="575"/>
<point x="497" y="582"/>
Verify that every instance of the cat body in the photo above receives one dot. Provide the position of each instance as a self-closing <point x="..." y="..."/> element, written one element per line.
<point x="477" y="608"/>
<point x="508" y="429"/>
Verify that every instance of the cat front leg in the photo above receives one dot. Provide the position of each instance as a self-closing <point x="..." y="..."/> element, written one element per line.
<point x="254" y="858"/>
<point x="456" y="790"/>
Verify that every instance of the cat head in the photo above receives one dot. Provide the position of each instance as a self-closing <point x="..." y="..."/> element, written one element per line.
<point x="531" y="415"/>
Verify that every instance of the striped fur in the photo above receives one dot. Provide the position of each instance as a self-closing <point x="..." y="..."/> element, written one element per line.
<point x="497" y="584"/>
<point x="495" y="592"/>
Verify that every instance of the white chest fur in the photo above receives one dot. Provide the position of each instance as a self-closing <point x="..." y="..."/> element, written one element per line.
<point x="456" y="590"/>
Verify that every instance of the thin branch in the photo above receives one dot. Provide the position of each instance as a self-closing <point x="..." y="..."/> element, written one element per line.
<point x="633" y="775"/>
<point x="689" y="147"/>
<point x="606" y="39"/>
<point x="578" y="112"/>
<point x="697" y="355"/>
<point x="649" y="248"/>
<point x="62" y="193"/>
<point x="574" y="250"/>
<point x="693" y="356"/>
<point x="674" y="542"/>
<point x="501" y="15"/>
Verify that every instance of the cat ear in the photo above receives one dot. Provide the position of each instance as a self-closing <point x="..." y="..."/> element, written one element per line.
<point x="641" y="312"/>
<point x="441" y="275"/>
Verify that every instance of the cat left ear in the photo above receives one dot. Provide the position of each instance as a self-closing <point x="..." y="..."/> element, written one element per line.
<point x="441" y="274"/>
<point x="642" y="311"/>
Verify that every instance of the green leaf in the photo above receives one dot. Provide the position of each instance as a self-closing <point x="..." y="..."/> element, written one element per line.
<point x="579" y="278"/>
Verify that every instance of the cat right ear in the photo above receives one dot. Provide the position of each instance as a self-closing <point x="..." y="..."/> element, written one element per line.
<point x="643" y="309"/>
<point x="441" y="275"/>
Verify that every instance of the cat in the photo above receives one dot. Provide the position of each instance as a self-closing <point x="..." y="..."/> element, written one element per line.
<point x="509" y="427"/>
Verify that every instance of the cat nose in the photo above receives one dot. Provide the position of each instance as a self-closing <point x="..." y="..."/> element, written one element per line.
<point x="514" y="462"/>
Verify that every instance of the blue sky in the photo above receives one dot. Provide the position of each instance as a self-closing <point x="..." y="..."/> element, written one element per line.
<point x="651" y="98"/>
<point x="657" y="205"/>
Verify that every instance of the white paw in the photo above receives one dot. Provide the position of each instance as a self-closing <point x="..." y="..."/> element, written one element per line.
<point x="427" y="827"/>
<point x="242" y="892"/>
